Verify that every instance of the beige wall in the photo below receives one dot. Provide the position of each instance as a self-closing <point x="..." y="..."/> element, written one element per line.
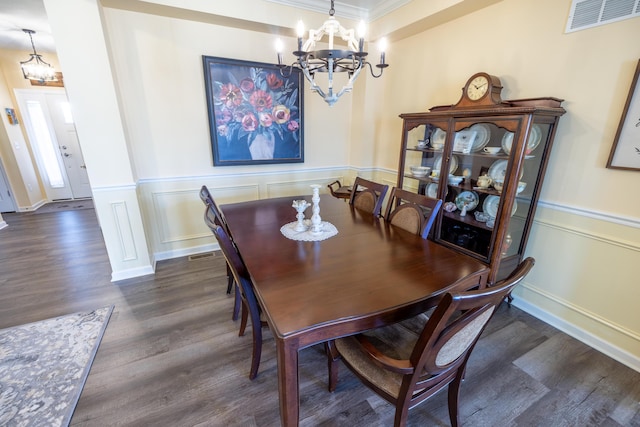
<point x="585" y="236"/>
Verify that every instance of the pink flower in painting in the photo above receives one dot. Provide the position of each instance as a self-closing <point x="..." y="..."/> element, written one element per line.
<point x="249" y="122"/>
<point x="293" y="126"/>
<point x="261" y="100"/>
<point x="266" y="119"/>
<point x="230" y="95"/>
<point x="224" y="116"/>
<point x="274" y="82"/>
<point x="247" y="85"/>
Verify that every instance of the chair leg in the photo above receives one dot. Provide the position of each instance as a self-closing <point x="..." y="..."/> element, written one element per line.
<point x="454" y="397"/>
<point x="256" y="328"/>
<point x="332" y="364"/>
<point x="230" y="280"/>
<point x="236" y="303"/>
<point x="244" y="318"/>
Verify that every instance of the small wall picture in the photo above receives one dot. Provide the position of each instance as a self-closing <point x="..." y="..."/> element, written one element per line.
<point x="255" y="112"/>
<point x="625" y="153"/>
<point x="11" y="116"/>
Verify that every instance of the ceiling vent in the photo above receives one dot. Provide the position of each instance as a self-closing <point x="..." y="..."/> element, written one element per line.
<point x="592" y="13"/>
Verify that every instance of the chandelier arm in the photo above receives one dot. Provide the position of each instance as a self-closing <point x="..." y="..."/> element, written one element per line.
<point x="379" y="66"/>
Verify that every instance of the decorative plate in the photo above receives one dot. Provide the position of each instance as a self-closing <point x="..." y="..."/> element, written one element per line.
<point x="470" y="198"/>
<point x="453" y="164"/>
<point x="491" y="203"/>
<point x="532" y="142"/>
<point x="438" y="136"/>
<point x="483" y="135"/>
<point x="432" y="191"/>
<point x="498" y="170"/>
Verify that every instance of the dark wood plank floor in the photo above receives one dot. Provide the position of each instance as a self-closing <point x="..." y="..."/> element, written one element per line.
<point x="171" y="355"/>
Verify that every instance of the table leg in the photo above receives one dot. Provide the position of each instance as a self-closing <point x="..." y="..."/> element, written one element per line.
<point x="288" y="383"/>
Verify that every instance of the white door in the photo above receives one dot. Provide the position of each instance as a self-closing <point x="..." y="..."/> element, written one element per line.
<point x="6" y="201"/>
<point x="54" y="142"/>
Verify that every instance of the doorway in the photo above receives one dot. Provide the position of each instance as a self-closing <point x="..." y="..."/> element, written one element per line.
<point x="6" y="200"/>
<point x="54" y="142"/>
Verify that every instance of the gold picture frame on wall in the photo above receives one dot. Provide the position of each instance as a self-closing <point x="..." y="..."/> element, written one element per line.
<point x="625" y="153"/>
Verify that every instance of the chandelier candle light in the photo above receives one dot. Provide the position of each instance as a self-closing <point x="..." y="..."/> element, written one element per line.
<point x="351" y="60"/>
<point x="35" y="68"/>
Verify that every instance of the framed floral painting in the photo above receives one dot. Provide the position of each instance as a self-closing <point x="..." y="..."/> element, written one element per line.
<point x="255" y="114"/>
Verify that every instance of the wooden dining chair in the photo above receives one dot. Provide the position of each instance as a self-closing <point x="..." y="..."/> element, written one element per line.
<point x="250" y="307"/>
<point x="220" y="220"/>
<point x="339" y="191"/>
<point x="413" y="212"/>
<point x="407" y="366"/>
<point x="368" y="195"/>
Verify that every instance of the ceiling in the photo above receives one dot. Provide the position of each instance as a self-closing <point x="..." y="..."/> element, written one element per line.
<point x="31" y="14"/>
<point x="18" y="14"/>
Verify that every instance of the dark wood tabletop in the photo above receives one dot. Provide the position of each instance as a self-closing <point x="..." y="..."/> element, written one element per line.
<point x="367" y="275"/>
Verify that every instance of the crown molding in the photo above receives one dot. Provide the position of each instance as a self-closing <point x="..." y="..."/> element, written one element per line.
<point x="345" y="10"/>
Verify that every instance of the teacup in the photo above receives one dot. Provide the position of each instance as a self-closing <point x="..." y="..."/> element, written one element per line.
<point x="422" y="144"/>
<point x="492" y="150"/>
<point x="498" y="185"/>
<point x="484" y="181"/>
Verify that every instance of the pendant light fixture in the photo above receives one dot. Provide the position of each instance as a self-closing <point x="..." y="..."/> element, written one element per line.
<point x="35" y="68"/>
<point x="331" y="60"/>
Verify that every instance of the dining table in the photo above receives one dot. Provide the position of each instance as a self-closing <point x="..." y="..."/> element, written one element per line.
<point x="368" y="275"/>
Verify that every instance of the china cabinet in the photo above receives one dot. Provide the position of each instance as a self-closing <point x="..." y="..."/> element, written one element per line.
<point x="487" y="159"/>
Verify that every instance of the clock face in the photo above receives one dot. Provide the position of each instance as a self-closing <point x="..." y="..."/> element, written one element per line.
<point x="477" y="88"/>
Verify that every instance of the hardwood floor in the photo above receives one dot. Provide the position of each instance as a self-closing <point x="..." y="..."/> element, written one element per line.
<point x="171" y="355"/>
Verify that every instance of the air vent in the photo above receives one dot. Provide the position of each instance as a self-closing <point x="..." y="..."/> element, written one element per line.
<point x="200" y="256"/>
<point x="592" y="13"/>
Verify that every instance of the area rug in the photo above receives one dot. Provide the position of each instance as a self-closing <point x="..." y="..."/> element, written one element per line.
<point x="44" y="366"/>
<point x="67" y="205"/>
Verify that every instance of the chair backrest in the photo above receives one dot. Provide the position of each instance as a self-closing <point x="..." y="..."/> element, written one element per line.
<point x="413" y="212"/>
<point x="208" y="201"/>
<point x="235" y="263"/>
<point x="205" y="195"/>
<point x="456" y="324"/>
<point x="368" y="195"/>
<point x="335" y="185"/>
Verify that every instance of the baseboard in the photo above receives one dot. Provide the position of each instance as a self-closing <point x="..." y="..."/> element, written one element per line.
<point x="616" y="353"/>
<point x="132" y="273"/>
<point x="161" y="256"/>
<point x="32" y="207"/>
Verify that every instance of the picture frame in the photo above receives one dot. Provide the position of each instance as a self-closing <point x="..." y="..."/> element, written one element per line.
<point x="625" y="152"/>
<point x="255" y="112"/>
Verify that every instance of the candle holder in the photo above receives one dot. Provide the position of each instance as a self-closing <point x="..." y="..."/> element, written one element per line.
<point x="300" y="206"/>
<point x="316" y="221"/>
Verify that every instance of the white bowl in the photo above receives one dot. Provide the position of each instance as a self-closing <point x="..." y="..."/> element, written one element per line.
<point x="420" y="170"/>
<point x="455" y="180"/>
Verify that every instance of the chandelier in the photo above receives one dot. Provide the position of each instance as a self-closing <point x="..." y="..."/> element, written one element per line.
<point x="350" y="60"/>
<point x="35" y="68"/>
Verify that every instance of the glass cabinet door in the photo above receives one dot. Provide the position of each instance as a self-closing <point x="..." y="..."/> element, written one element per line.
<point x="423" y="158"/>
<point x="473" y="186"/>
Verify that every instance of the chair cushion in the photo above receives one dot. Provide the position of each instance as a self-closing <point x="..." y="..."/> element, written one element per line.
<point x="396" y="340"/>
<point x="408" y="218"/>
<point x="365" y="201"/>
<point x="461" y="340"/>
